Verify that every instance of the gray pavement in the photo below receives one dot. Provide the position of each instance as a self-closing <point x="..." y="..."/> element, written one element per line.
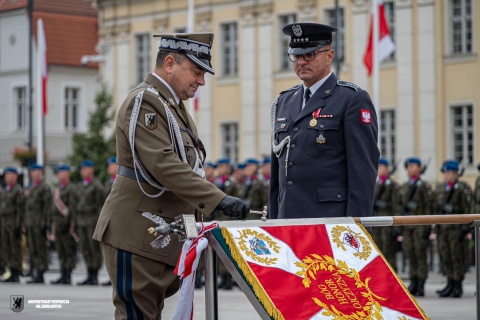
<point x="87" y="302"/>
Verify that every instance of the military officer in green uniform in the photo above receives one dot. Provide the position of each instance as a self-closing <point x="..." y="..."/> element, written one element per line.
<point x="235" y="185"/>
<point x="161" y="171"/>
<point x="37" y="221"/>
<point x="386" y="203"/>
<point x="90" y="199"/>
<point x="64" y="205"/>
<point x="258" y="196"/>
<point x="452" y="197"/>
<point x="12" y="210"/>
<point x="475" y="207"/>
<point x="416" y="199"/>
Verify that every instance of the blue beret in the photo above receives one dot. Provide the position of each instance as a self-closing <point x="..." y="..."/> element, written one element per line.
<point x="449" y="165"/>
<point x="223" y="161"/>
<point x="86" y="163"/>
<point x="383" y="162"/>
<point x="413" y="160"/>
<point x="210" y="164"/>
<point x="62" y="167"/>
<point x="35" y="166"/>
<point x="111" y="160"/>
<point x="252" y="161"/>
<point x="10" y="169"/>
<point x="241" y="166"/>
<point x="266" y="161"/>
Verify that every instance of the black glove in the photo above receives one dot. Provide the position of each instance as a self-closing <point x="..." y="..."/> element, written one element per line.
<point x="233" y="207"/>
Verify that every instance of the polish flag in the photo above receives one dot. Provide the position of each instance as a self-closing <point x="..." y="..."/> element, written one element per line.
<point x="42" y="52"/>
<point x="385" y="43"/>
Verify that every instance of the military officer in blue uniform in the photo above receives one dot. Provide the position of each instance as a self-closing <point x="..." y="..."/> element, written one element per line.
<point x="324" y="136"/>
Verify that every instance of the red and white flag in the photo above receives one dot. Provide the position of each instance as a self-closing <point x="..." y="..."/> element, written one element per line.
<point x="385" y="43"/>
<point x="186" y="266"/>
<point x="43" y="70"/>
<point x="319" y="272"/>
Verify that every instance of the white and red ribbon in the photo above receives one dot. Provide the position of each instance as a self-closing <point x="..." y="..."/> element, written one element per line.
<point x="186" y="266"/>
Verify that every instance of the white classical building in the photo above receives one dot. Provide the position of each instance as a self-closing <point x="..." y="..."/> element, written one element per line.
<point x="429" y="86"/>
<point x="71" y="32"/>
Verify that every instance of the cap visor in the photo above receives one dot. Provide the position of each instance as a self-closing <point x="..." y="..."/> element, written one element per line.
<point x="298" y="51"/>
<point x="202" y="63"/>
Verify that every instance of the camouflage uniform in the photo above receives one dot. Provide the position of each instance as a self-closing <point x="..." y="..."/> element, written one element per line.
<point x="416" y="200"/>
<point x="64" y="241"/>
<point x="38" y="206"/>
<point x="475" y="207"/>
<point x="90" y="199"/>
<point x="387" y="203"/>
<point x="258" y="196"/>
<point x="12" y="209"/>
<point x="453" y="199"/>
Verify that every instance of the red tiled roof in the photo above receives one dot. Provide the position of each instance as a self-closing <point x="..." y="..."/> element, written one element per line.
<point x="68" y="37"/>
<point x="7" y="5"/>
<point x="69" y="7"/>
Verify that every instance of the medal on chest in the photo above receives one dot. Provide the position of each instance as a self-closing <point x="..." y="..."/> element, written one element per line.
<point x="315" y="115"/>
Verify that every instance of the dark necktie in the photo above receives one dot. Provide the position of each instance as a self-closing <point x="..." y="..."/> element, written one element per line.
<point x="307" y="95"/>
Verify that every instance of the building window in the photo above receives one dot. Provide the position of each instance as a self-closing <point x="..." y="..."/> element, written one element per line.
<point x="142" y="43"/>
<point x="389" y="9"/>
<point x="72" y="104"/>
<point x="332" y="20"/>
<point x="462" y="125"/>
<point x="229" y="49"/>
<point x="283" y="20"/>
<point x="230" y="141"/>
<point x="461" y="26"/>
<point x="387" y="134"/>
<point x="21" y="106"/>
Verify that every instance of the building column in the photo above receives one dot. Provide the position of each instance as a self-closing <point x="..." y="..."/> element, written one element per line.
<point x="359" y="29"/>
<point x="406" y="131"/>
<point x="248" y="54"/>
<point x="426" y="84"/>
<point x="121" y="79"/>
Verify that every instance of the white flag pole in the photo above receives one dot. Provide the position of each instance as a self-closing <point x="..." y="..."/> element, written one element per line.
<point x="376" y="64"/>
<point x="38" y="89"/>
<point x="190" y="28"/>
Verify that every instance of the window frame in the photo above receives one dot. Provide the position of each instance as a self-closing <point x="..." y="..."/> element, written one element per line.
<point x="230" y="68"/>
<point x="284" y="64"/>
<point x="389" y="134"/>
<point x="71" y="120"/>
<point x="465" y="131"/>
<point x="462" y="19"/>
<point x="329" y="18"/>
<point x="228" y="128"/>
<point x="20" y="111"/>
<point x="142" y="56"/>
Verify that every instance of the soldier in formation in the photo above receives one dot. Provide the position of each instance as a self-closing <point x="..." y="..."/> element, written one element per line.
<point x="63" y="216"/>
<point x="416" y="196"/>
<point x="386" y="203"/>
<point x="37" y="222"/>
<point x="452" y="197"/>
<point x="12" y="208"/>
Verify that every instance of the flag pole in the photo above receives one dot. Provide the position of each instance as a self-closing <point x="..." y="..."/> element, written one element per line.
<point x="376" y="64"/>
<point x="39" y="91"/>
<point x="190" y="28"/>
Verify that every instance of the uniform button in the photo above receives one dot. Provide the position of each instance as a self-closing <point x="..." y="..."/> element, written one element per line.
<point x="290" y="164"/>
<point x="295" y="129"/>
<point x="290" y="183"/>
<point x="292" y="146"/>
<point x="339" y="196"/>
<point x="321" y="126"/>
<point x="201" y="205"/>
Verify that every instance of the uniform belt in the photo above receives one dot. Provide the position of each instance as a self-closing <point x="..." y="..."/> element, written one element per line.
<point x="130" y="173"/>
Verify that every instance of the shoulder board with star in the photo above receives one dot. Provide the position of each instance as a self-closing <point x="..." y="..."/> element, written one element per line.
<point x="294" y="88"/>
<point x="348" y="84"/>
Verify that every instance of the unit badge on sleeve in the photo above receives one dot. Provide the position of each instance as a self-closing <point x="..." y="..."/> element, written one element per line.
<point x="151" y="121"/>
<point x="366" y="116"/>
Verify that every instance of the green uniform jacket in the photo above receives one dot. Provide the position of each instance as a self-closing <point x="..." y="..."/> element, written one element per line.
<point x="89" y="203"/>
<point x="459" y="202"/>
<point x="12" y="207"/>
<point x="258" y="195"/>
<point x="38" y="206"/>
<point x="121" y="224"/>
<point x="420" y="203"/>
<point x="476" y="197"/>
<point x="69" y="199"/>
<point x="387" y="199"/>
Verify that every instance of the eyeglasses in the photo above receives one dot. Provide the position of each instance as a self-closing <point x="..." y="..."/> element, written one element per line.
<point x="307" y="56"/>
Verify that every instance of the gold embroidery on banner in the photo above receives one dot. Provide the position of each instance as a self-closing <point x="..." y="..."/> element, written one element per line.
<point x="242" y="244"/>
<point x="361" y="254"/>
<point x="336" y="288"/>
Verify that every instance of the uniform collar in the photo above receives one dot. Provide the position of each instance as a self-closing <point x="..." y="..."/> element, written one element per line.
<point x="177" y="99"/>
<point x="317" y="85"/>
<point x="316" y="101"/>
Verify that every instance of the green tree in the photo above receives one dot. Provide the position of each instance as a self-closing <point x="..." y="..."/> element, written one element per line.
<point x="94" y="144"/>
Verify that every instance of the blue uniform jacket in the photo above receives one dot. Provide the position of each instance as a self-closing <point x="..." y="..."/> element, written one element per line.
<point x="332" y="165"/>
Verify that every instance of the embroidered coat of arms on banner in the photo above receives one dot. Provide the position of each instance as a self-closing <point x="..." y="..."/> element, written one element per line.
<point x="318" y="272"/>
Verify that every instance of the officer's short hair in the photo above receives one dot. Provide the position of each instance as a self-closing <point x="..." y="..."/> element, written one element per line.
<point x="162" y="54"/>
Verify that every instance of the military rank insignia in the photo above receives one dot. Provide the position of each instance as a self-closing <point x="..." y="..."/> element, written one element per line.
<point x="366" y="116"/>
<point x="151" y="121"/>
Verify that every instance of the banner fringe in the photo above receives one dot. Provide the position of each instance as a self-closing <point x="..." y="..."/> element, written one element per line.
<point x="260" y="293"/>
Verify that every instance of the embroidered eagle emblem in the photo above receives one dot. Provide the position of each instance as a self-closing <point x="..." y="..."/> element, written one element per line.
<point x="151" y="121"/>
<point x="366" y="116"/>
